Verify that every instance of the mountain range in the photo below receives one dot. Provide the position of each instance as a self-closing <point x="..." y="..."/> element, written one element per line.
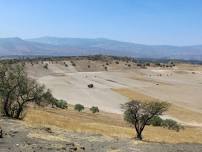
<point x="54" y="46"/>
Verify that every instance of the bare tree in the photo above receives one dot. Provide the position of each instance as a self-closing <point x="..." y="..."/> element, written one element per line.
<point x="139" y="113"/>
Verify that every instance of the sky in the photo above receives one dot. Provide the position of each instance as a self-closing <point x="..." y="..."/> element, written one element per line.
<point x="168" y="22"/>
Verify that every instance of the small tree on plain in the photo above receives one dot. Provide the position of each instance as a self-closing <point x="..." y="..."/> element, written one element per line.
<point x="140" y="113"/>
<point x="79" y="107"/>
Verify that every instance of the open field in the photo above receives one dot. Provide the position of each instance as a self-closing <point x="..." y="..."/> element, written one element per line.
<point x="181" y="85"/>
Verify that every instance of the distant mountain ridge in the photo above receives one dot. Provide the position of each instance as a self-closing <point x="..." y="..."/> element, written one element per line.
<point x="55" y="46"/>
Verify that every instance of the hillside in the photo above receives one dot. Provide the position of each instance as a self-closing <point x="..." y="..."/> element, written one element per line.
<point x="54" y="46"/>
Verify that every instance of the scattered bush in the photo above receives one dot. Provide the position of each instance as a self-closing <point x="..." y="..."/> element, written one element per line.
<point x="61" y="104"/>
<point x="79" y="107"/>
<point x="147" y="64"/>
<point x="73" y="64"/>
<point x="45" y="66"/>
<point x="66" y="65"/>
<point x="90" y="86"/>
<point x="94" y="109"/>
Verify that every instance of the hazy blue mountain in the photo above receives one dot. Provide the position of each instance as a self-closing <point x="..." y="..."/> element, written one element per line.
<point x="83" y="46"/>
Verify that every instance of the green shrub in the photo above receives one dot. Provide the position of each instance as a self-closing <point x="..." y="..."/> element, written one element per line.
<point x="79" y="107"/>
<point x="147" y="64"/>
<point x="167" y="123"/>
<point x="45" y="66"/>
<point x="94" y="109"/>
<point x="61" y="104"/>
<point x="172" y="124"/>
<point x="156" y="121"/>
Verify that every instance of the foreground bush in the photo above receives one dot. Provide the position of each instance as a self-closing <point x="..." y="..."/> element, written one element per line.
<point x="79" y="107"/>
<point x="94" y="109"/>
<point x="61" y="104"/>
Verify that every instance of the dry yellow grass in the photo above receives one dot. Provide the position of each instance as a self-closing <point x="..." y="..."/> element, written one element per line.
<point x="111" y="125"/>
<point x="176" y="111"/>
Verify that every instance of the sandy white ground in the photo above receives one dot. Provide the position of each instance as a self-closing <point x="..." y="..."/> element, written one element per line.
<point x="179" y="86"/>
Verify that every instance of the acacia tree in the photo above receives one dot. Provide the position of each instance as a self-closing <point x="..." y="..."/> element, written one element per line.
<point x="139" y="113"/>
<point x="16" y="89"/>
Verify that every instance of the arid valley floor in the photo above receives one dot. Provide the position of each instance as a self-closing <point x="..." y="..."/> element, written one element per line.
<point x="48" y="129"/>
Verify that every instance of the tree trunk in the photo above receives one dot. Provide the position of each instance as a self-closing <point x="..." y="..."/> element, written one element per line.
<point x="139" y="136"/>
<point x="19" y="111"/>
<point x="6" y="102"/>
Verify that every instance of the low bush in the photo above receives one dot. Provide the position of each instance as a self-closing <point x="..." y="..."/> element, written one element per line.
<point x="94" y="109"/>
<point x="60" y="104"/>
<point x="79" y="107"/>
<point x="167" y="123"/>
<point x="45" y="66"/>
<point x="156" y="121"/>
<point x="90" y="86"/>
<point x="172" y="124"/>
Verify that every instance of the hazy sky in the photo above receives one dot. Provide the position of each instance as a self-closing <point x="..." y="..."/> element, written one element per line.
<point x="176" y="22"/>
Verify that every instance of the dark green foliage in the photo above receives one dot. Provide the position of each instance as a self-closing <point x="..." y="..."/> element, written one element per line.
<point x="94" y="109"/>
<point x="73" y="64"/>
<point x="61" y="104"/>
<point x="167" y="123"/>
<point x="172" y="124"/>
<point x="147" y="64"/>
<point x="156" y="121"/>
<point x="17" y="90"/>
<point x="46" y="66"/>
<point x="79" y="107"/>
